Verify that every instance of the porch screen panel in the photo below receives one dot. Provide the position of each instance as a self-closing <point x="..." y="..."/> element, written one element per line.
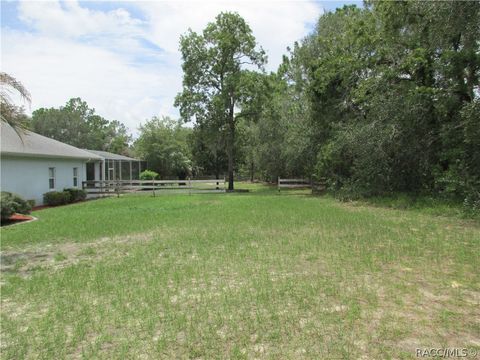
<point x="110" y="169"/>
<point x="125" y="170"/>
<point x="117" y="169"/>
<point x="135" y="170"/>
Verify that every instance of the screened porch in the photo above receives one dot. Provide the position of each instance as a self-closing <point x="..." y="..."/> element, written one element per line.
<point x="114" y="167"/>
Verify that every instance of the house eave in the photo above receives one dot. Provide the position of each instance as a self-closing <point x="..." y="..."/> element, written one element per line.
<point x="53" y="156"/>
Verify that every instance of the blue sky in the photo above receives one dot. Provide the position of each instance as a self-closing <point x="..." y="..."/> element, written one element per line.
<point x="122" y="57"/>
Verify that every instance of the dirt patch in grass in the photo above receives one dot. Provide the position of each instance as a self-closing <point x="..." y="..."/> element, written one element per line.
<point x="55" y="257"/>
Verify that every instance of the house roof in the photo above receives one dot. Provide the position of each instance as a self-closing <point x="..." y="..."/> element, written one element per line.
<point x="111" y="156"/>
<point x="28" y="143"/>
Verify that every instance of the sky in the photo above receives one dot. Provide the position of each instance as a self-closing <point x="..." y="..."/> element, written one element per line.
<point x="122" y="57"/>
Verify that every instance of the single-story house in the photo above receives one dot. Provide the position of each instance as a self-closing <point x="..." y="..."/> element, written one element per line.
<point x="32" y="164"/>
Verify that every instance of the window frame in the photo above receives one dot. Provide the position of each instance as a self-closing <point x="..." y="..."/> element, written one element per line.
<point x="75" y="177"/>
<point x="52" y="179"/>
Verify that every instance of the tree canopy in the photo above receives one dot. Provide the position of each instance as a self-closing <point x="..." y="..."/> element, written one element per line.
<point x="162" y="142"/>
<point x="377" y="100"/>
<point x="77" y="124"/>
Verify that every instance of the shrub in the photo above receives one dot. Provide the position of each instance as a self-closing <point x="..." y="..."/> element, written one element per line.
<point x="13" y="203"/>
<point x="55" y="198"/>
<point x="471" y="203"/>
<point x="21" y="206"/>
<point x="76" y="194"/>
<point x="148" y="175"/>
<point x="7" y="210"/>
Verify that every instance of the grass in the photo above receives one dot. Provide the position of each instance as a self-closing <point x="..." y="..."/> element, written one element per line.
<point x="423" y="203"/>
<point x="237" y="276"/>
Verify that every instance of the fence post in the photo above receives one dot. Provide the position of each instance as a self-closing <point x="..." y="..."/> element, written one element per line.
<point x="189" y="186"/>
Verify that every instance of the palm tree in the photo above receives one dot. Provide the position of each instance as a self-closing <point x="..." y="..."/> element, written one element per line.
<point x="9" y="112"/>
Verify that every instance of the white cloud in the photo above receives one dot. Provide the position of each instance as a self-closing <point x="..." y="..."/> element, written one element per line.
<point x="275" y="24"/>
<point x="70" y="19"/>
<point x="56" y="70"/>
<point x="129" y="69"/>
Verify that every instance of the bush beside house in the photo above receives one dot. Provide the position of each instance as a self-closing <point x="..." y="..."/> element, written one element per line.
<point x="55" y="198"/>
<point x="67" y="196"/>
<point x="13" y="203"/>
<point x="76" y="194"/>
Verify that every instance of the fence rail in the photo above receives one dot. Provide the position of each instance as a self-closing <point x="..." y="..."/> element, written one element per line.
<point x="316" y="186"/>
<point x="102" y="187"/>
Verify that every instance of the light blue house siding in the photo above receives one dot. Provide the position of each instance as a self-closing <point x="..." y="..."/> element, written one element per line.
<point x="30" y="177"/>
<point x="32" y="164"/>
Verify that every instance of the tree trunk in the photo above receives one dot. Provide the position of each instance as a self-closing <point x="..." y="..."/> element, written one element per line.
<point x="217" y="170"/>
<point x="230" y="144"/>
<point x="216" y="165"/>
<point x="252" y="170"/>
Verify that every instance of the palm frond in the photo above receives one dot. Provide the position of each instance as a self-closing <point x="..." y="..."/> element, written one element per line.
<point x="10" y="113"/>
<point x="8" y="81"/>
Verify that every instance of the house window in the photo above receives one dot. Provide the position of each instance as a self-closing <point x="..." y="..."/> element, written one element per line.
<point x="75" y="177"/>
<point x="51" y="178"/>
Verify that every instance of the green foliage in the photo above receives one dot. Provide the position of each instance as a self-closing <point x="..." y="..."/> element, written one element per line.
<point x="76" y="194"/>
<point x="56" y="198"/>
<point x="148" y="175"/>
<point x="162" y="142"/>
<point x="7" y="208"/>
<point x="207" y="146"/>
<point x="379" y="100"/>
<point x="13" y="203"/>
<point x="67" y="196"/>
<point x="78" y="125"/>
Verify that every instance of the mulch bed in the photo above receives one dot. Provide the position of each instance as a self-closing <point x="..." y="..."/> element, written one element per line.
<point x="40" y="207"/>
<point x="17" y="218"/>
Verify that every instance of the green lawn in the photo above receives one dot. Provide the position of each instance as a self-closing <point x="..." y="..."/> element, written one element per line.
<point x="255" y="275"/>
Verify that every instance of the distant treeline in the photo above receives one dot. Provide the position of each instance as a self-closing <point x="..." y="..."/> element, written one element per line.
<point x="378" y="100"/>
<point x="77" y="124"/>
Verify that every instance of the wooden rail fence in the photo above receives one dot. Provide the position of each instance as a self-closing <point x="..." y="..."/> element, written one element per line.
<point x="316" y="186"/>
<point x="103" y="187"/>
